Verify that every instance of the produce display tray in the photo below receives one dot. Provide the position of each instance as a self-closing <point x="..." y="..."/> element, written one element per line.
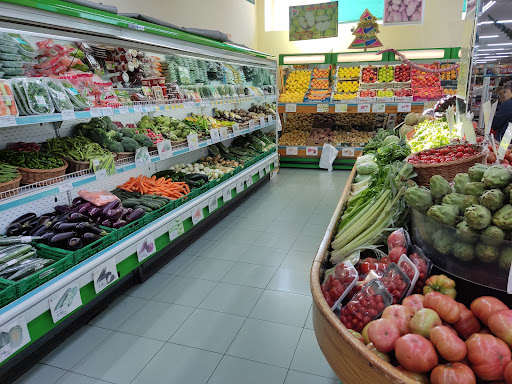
<point x="8" y="292"/>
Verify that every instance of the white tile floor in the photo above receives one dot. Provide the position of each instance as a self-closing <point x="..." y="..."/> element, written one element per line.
<point x="234" y="307"/>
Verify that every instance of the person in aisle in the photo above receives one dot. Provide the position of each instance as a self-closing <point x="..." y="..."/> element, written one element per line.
<point x="503" y="114"/>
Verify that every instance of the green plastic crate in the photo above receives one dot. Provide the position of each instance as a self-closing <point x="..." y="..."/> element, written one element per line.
<point x="8" y="292"/>
<point x="132" y="227"/>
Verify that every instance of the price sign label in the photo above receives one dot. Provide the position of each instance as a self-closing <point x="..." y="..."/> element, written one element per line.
<point x="505" y="142"/>
<point x="404" y="107"/>
<point x="311" y="151"/>
<point x="164" y="149"/>
<point x="273" y="174"/>
<point x="348" y="152"/>
<point x="64" y="302"/>
<point x="68" y="115"/>
<point x="188" y="104"/>
<point x="379" y="108"/>
<point x="226" y="194"/>
<point x="322" y="107"/>
<point x="95" y="112"/>
<point x="146" y="247"/>
<point x="363" y="108"/>
<point x="142" y="156"/>
<point x="193" y="141"/>
<point x="262" y="122"/>
<point x="175" y="229"/>
<point x="275" y="163"/>
<point x="65" y="186"/>
<point x="340" y="108"/>
<point x="213" y="204"/>
<point x="197" y="215"/>
<point x="267" y="168"/>
<point x="138" y="108"/>
<point x="270" y="119"/>
<point x="236" y="129"/>
<point x="104" y="275"/>
<point x="106" y="163"/>
<point x="223" y="133"/>
<point x="7" y="121"/>
<point x="100" y="174"/>
<point x="124" y="110"/>
<point x="252" y="125"/>
<point x="24" y="337"/>
<point x="107" y="111"/>
<point x="261" y="172"/>
<point x="290" y="108"/>
<point x="292" y="151"/>
<point x="248" y="181"/>
<point x="215" y="135"/>
<point x="239" y="186"/>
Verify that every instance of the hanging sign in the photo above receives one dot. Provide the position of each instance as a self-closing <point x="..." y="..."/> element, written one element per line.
<point x="315" y="21"/>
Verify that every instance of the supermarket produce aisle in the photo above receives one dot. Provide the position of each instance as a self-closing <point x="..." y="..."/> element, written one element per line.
<point x="234" y="307"/>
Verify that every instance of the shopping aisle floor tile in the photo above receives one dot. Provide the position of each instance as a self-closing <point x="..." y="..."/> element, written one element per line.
<point x="295" y="377"/>
<point x="298" y="260"/>
<point x="240" y="236"/>
<point x="282" y="307"/>
<point x="240" y="371"/>
<point x="198" y="246"/>
<point x="225" y="251"/>
<point x="208" y="269"/>
<point x="291" y="280"/>
<point x="117" y="312"/>
<point x="251" y="275"/>
<point x="307" y="244"/>
<point x="230" y="298"/>
<point x="261" y="255"/>
<point x="185" y="291"/>
<point x="41" y="374"/>
<point x="150" y="287"/>
<point x="309" y="358"/>
<point x="276" y="240"/>
<point x="75" y="378"/>
<point x="178" y="364"/>
<point x="177" y="264"/>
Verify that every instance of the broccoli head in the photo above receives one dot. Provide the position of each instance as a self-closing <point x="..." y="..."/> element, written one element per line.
<point x="127" y="132"/>
<point x="106" y="122"/>
<point x="146" y="124"/>
<point x="129" y="144"/>
<point x="115" y="146"/>
<point x="115" y="135"/>
<point x="95" y="122"/>
<point x="163" y="120"/>
<point x="99" y="136"/>
<point x="143" y="140"/>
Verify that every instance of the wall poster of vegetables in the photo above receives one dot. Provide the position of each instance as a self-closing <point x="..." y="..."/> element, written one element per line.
<point x="314" y="21"/>
<point x="13" y="336"/>
<point x="403" y="12"/>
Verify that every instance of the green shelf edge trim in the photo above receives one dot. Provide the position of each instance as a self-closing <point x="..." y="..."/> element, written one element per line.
<point x="79" y="11"/>
<point x="42" y="324"/>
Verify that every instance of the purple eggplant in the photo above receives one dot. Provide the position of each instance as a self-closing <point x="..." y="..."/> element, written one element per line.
<point x="112" y="205"/>
<point x="82" y="208"/>
<point x="61" y="209"/>
<point x="39" y="230"/>
<point x="126" y="211"/>
<point x="76" y="217"/>
<point x="119" y="223"/>
<point x="106" y="223"/>
<point x="64" y="227"/>
<point x="82" y="228"/>
<point x="134" y="215"/>
<point x="14" y="229"/>
<point x="60" y="239"/>
<point x="47" y="236"/>
<point x="93" y="211"/>
<point x="114" y="214"/>
<point x="74" y="243"/>
<point x="77" y="201"/>
<point x="89" y="237"/>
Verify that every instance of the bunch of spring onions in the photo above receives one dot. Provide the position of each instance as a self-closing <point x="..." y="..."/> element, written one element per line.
<point x="373" y="212"/>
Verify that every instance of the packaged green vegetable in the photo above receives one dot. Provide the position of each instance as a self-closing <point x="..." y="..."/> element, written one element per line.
<point x="79" y="101"/>
<point x="37" y="96"/>
<point x="58" y="95"/>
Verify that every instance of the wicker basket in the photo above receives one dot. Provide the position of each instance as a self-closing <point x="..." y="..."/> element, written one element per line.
<point x="447" y="169"/>
<point x="75" y="166"/>
<point x="123" y="155"/>
<point x="31" y="176"/>
<point x="10" y="187"/>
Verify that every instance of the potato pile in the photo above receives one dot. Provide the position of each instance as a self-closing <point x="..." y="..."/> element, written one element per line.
<point x="294" y="138"/>
<point x="324" y="119"/>
<point x="353" y="137"/>
<point x="363" y="121"/>
<point x="299" y="122"/>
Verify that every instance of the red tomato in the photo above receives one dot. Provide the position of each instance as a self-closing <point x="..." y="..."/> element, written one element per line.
<point x="415" y="353"/>
<point x="401" y="316"/>
<point x="508" y="373"/>
<point x="383" y="333"/>
<point x="485" y="305"/>
<point x="415" y="302"/>
<point x="452" y="373"/>
<point x="488" y="356"/>
<point x="397" y="239"/>
<point x="423" y="321"/>
<point x="467" y="323"/>
<point x="447" y="343"/>
<point x="395" y="253"/>
<point x="505" y="161"/>
<point x="500" y="323"/>
<point x="446" y="307"/>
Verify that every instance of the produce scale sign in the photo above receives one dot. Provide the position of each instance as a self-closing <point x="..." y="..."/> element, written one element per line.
<point x="314" y="21"/>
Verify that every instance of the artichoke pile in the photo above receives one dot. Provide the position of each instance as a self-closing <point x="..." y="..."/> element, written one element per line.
<point x="479" y="208"/>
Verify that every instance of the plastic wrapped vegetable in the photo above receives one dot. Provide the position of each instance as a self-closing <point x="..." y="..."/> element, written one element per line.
<point x="465" y="233"/>
<point x="442" y="241"/>
<point x="460" y="181"/>
<point x="445" y="214"/>
<point x="439" y="187"/>
<point x="493" y="199"/>
<point x="478" y="217"/>
<point x="476" y="172"/>
<point x="487" y="253"/>
<point x="505" y="258"/>
<point x="37" y="96"/>
<point x="491" y="234"/>
<point x="367" y="168"/>
<point x="496" y="177"/>
<point x="463" y="251"/>
<point x="418" y="198"/>
<point x="58" y="95"/>
<point x="503" y="218"/>
<point x="7" y="104"/>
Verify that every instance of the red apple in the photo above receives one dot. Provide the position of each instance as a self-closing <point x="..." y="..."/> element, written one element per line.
<point x="500" y="323"/>
<point x="401" y="316"/>
<point x="423" y="321"/>
<point x="415" y="302"/>
<point x="383" y="333"/>
<point x="415" y="353"/>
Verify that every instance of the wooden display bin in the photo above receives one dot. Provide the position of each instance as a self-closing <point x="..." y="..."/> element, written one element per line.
<point x="352" y="362"/>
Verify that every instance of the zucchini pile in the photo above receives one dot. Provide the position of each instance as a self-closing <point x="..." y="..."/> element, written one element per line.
<point x="136" y="201"/>
<point x="194" y="180"/>
<point x="18" y="260"/>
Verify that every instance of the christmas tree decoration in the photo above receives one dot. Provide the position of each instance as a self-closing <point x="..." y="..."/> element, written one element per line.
<point x="366" y="32"/>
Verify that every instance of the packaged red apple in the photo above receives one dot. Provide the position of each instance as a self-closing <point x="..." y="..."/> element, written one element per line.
<point x="338" y="282"/>
<point x="407" y="266"/>
<point x="399" y="243"/>
<point x="365" y="306"/>
<point x="396" y="282"/>
<point x="423" y="264"/>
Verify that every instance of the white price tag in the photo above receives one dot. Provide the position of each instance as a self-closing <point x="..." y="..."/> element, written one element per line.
<point x="100" y="174"/>
<point x="223" y="133"/>
<point x="124" y="110"/>
<point x="505" y="142"/>
<point x="290" y="108"/>
<point x="273" y="173"/>
<point x="175" y="229"/>
<point x="262" y="122"/>
<point x="311" y="151"/>
<point x="197" y="215"/>
<point x="292" y="151"/>
<point x="64" y="302"/>
<point x="95" y="112"/>
<point x="68" y="115"/>
<point x="340" y="108"/>
<point x="107" y="111"/>
<point x="363" y="108"/>
<point x="267" y="168"/>
<point x="239" y="186"/>
<point x="164" y="149"/>
<point x="404" y="107"/>
<point x="19" y="326"/>
<point x="146" y="247"/>
<point x="379" y="108"/>
<point x="261" y="172"/>
<point x="104" y="275"/>
<point x="213" y="204"/>
<point x="7" y="121"/>
<point x="138" y="108"/>
<point x="322" y="107"/>
<point x="275" y="163"/>
<point x="270" y="119"/>
<point x="193" y="141"/>
<point x="251" y="124"/>
<point x="65" y="186"/>
<point x="236" y="129"/>
<point x="189" y="104"/>
<point x="215" y="135"/>
<point x="348" y="152"/>
<point x="142" y="156"/>
<point x="248" y="181"/>
<point x="226" y="194"/>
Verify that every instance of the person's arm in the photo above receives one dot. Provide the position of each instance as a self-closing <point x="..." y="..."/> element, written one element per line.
<point x="503" y="114"/>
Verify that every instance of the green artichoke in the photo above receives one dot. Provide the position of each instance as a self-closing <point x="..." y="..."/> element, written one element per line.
<point x="505" y="258"/>
<point x="477" y="216"/>
<point x="442" y="241"/>
<point x="418" y="198"/>
<point x="487" y="253"/>
<point x="460" y="180"/>
<point x="503" y="218"/>
<point x="469" y="200"/>
<point x="465" y="233"/>
<point x="492" y="199"/>
<point x="491" y="234"/>
<point x="476" y="172"/>
<point x="455" y="199"/>
<point x="463" y="251"/>
<point x="496" y="177"/>
<point x="474" y="188"/>
<point x="439" y="187"/>
<point x="444" y="214"/>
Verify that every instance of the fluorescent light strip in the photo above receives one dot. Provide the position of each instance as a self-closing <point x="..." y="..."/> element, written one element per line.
<point x="488" y="37"/>
<point x="306" y="59"/>
<point x="491" y="49"/>
<point x="491" y="22"/>
<point x="488" y="5"/>
<point x="495" y="44"/>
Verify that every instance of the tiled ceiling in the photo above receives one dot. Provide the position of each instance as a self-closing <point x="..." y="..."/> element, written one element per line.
<point x="501" y="10"/>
